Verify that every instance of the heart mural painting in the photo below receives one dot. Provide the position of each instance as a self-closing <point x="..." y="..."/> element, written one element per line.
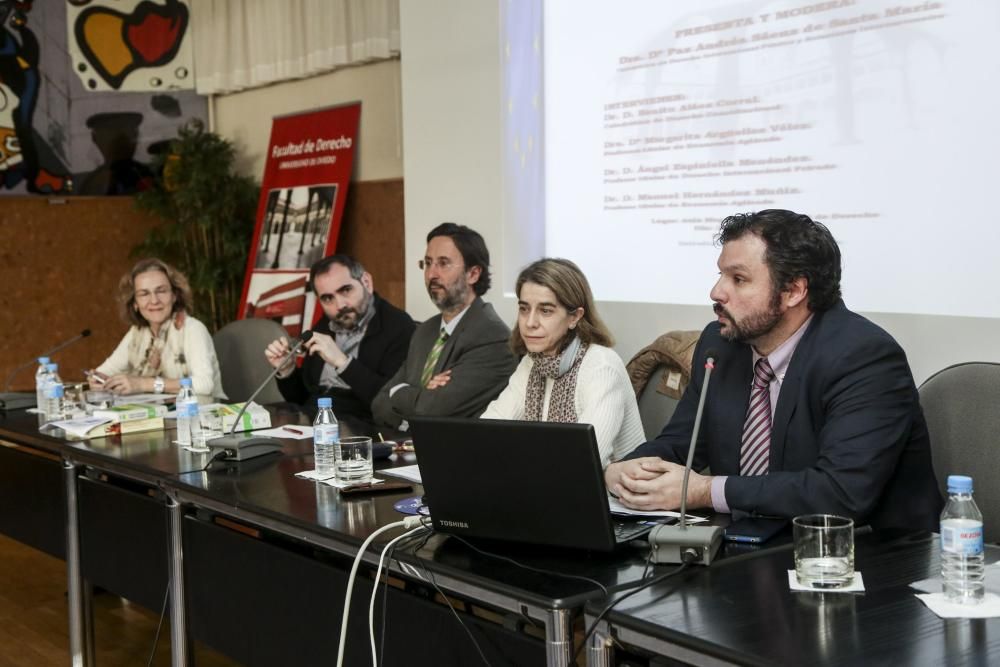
<point x="114" y="44"/>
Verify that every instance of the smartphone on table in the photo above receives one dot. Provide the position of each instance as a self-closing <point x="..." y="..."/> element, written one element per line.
<point x="754" y="530"/>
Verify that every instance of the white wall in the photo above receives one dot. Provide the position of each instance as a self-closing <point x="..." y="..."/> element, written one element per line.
<point x="245" y="117"/>
<point x="451" y="128"/>
<point x="452" y="160"/>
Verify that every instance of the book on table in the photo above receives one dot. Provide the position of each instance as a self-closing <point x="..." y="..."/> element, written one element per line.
<point x="127" y="412"/>
<point x="117" y="420"/>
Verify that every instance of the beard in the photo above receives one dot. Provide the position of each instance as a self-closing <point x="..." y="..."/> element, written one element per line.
<point x="752" y="327"/>
<point x="348" y="317"/>
<point x="449" y="297"/>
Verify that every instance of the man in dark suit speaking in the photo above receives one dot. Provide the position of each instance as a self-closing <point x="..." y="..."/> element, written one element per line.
<point x="458" y="361"/>
<point x="811" y="407"/>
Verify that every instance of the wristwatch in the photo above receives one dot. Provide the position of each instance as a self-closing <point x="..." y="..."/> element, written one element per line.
<point x="158" y="385"/>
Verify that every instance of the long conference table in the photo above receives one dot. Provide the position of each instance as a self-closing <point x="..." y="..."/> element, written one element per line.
<point x="254" y="562"/>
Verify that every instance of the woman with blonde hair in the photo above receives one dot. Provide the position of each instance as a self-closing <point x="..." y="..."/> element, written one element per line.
<point x="164" y="342"/>
<point x="569" y="373"/>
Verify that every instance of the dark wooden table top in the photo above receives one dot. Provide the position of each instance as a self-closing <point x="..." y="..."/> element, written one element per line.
<point x="741" y="610"/>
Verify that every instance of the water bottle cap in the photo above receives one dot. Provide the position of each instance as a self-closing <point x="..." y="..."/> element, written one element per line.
<point x="325" y="402"/>
<point x="185" y="382"/>
<point x="43" y="360"/>
<point x="959" y="484"/>
<point x="52" y="367"/>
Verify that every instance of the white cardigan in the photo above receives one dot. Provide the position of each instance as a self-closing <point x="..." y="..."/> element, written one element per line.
<point x="604" y="398"/>
<point x="194" y="343"/>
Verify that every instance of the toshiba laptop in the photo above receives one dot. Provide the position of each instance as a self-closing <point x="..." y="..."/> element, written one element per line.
<point x="536" y="482"/>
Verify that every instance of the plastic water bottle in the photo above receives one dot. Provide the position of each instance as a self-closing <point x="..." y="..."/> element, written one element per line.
<point x="53" y="394"/>
<point x="188" y="420"/>
<point x="41" y="377"/>
<point x="962" y="544"/>
<point x="326" y="433"/>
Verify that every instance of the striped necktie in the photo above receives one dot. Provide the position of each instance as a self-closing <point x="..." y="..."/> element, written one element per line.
<point x="755" y="451"/>
<point x="432" y="358"/>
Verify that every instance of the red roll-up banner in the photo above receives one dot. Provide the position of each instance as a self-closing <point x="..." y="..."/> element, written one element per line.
<point x="302" y="195"/>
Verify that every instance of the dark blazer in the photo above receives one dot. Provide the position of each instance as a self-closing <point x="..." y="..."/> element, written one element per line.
<point x="480" y="360"/>
<point x="380" y="354"/>
<point x="848" y="434"/>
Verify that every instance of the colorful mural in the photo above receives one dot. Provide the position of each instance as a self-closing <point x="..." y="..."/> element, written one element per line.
<point x="20" y="78"/>
<point x="128" y="45"/>
<point x="89" y="89"/>
<point x="10" y="147"/>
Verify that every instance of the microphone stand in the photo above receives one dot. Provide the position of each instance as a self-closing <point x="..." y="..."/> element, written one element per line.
<point x="243" y="446"/>
<point x="682" y="543"/>
<point x="13" y="400"/>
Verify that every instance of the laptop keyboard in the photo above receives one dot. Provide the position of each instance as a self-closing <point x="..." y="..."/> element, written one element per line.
<point x="626" y="531"/>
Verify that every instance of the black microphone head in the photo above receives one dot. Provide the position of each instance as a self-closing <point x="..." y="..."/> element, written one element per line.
<point x="711" y="354"/>
<point x="85" y="333"/>
<point x="305" y="336"/>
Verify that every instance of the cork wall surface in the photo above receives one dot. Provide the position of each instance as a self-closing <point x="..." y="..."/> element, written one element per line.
<point x="60" y="261"/>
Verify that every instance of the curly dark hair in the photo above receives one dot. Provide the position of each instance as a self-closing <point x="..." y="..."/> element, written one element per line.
<point x="797" y="246"/>
<point x="126" y="290"/>
<point x="473" y="248"/>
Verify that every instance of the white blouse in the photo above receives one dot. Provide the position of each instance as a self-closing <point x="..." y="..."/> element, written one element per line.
<point x="188" y="351"/>
<point x="604" y="398"/>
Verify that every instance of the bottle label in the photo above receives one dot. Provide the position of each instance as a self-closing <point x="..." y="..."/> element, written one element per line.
<point x="965" y="538"/>
<point x="54" y="391"/>
<point x="187" y="409"/>
<point x="326" y="434"/>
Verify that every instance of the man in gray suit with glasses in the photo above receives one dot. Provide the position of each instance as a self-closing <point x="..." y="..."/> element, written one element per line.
<point x="457" y="361"/>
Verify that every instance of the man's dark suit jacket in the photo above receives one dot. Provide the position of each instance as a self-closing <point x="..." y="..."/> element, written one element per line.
<point x="848" y="434"/>
<point x="478" y="356"/>
<point x="380" y="354"/>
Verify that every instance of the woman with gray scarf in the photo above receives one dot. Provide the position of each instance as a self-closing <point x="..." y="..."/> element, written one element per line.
<point x="568" y="373"/>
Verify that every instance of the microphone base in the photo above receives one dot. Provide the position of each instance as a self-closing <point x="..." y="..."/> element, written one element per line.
<point x="673" y="544"/>
<point x="240" y="447"/>
<point x="16" y="400"/>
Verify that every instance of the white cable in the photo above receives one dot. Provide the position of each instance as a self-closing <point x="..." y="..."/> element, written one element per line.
<point x="378" y="576"/>
<point x="409" y="522"/>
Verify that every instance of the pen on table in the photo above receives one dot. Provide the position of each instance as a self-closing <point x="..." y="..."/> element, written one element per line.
<point x="380" y="438"/>
<point x="292" y="430"/>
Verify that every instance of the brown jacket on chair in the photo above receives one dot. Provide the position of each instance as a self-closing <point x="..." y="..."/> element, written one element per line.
<point x="674" y="350"/>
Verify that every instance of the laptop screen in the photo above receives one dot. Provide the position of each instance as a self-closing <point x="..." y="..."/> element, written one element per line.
<point x="536" y="482"/>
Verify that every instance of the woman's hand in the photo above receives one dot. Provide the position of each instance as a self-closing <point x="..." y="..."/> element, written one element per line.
<point x="126" y="384"/>
<point x="96" y="379"/>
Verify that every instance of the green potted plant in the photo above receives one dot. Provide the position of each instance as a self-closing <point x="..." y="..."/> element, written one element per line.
<point x="208" y="211"/>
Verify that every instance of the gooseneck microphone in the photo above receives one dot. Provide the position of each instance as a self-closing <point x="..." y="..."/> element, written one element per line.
<point x="66" y="343"/>
<point x="682" y="543"/>
<point x="17" y="400"/>
<point x="239" y="447"/>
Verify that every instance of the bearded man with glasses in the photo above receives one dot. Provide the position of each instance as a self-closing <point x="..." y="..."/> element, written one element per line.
<point x="459" y="360"/>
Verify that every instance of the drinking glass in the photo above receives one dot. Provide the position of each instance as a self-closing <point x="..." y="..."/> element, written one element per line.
<point x="353" y="459"/>
<point x="824" y="550"/>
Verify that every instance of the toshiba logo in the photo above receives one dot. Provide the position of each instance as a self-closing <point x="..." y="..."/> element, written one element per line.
<point x="454" y="524"/>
